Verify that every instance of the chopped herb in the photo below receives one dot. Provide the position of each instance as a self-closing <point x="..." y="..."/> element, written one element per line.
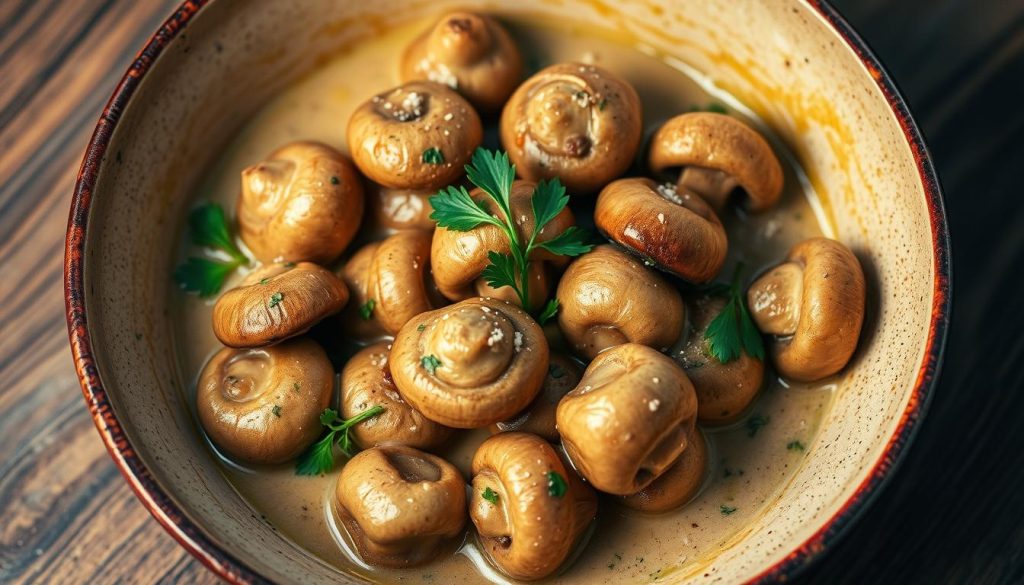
<point x="602" y="104"/>
<point x="208" y="227"/>
<point x="296" y="387"/>
<point x="733" y="332"/>
<point x="335" y="180"/>
<point x="430" y="363"/>
<point x="421" y="327"/>
<point x="550" y="310"/>
<point x="713" y="107"/>
<point x="755" y="423"/>
<point x="319" y="458"/>
<point x="555" y="371"/>
<point x="556" y="484"/>
<point x="264" y="280"/>
<point x="366" y="311"/>
<point x="433" y="156"/>
<point x="795" y="446"/>
<point x="288" y="264"/>
<point x="726" y="510"/>
<point x="275" y="299"/>
<point x="276" y="410"/>
<point x="490" y="495"/>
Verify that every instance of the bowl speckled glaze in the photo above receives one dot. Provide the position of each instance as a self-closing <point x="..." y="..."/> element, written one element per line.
<point x="796" y="64"/>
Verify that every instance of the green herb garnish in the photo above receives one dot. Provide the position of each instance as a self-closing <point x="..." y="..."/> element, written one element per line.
<point x="296" y="387"/>
<point x="433" y="156"/>
<point x="726" y="510"/>
<point x="275" y="299"/>
<point x="555" y="371"/>
<point x="713" y="107"/>
<point x="430" y="363"/>
<point x="366" y="311"/>
<point x="556" y="484"/>
<point x="733" y="331"/>
<point x="208" y="227"/>
<point x="755" y="423"/>
<point x="335" y="180"/>
<point x="264" y="280"/>
<point x="421" y="327"/>
<point x="550" y="310"/>
<point x="490" y="495"/>
<point x="795" y="446"/>
<point x="319" y="459"/>
<point x="276" y="410"/>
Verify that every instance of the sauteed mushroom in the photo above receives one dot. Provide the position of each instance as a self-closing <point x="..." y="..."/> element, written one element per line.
<point x="263" y="405"/>
<point x="470" y="364"/>
<point x="419" y="135"/>
<point x="608" y="298"/>
<point x="578" y="122"/>
<point x="718" y="153"/>
<point x="813" y="303"/>
<point x="276" y="302"/>
<point x="304" y="202"/>
<point x="470" y="53"/>
<point x="400" y="209"/>
<point x="401" y="506"/>
<point x="397" y="286"/>
<point x="539" y="416"/>
<point x="629" y="418"/>
<point x="356" y="273"/>
<point x="676" y="231"/>
<point x="678" y="484"/>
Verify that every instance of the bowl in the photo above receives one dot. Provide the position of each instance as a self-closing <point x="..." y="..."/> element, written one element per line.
<point x="796" y="64"/>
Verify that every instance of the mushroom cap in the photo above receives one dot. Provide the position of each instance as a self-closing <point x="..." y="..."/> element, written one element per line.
<point x="397" y="279"/>
<point x="470" y="53"/>
<point x="829" y="295"/>
<point x="366" y="382"/>
<point x="628" y="419"/>
<point x="539" y="417"/>
<point x="400" y="209"/>
<point x="470" y="364"/>
<point x="577" y="122"/>
<point x="356" y="274"/>
<point x="391" y="136"/>
<point x="263" y="405"/>
<point x="401" y="506"/>
<point x="304" y="202"/>
<point x="718" y="142"/>
<point x="677" y="232"/>
<point x="607" y="298"/>
<point x="679" y="484"/>
<point x="276" y="302"/>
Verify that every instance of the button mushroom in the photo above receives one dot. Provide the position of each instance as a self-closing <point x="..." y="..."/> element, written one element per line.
<point x="356" y="320"/>
<point x="417" y="136"/>
<point x="276" y="302"/>
<point x="813" y="303"/>
<point x="401" y="506"/>
<point x="539" y="416"/>
<point x="629" y="418"/>
<point x="718" y="153"/>
<point x="400" y="209"/>
<point x="304" y="202"/>
<point x="470" y="53"/>
<point x="577" y="122"/>
<point x="263" y="405"/>
<point x="525" y="511"/>
<point x="679" y="484"/>
<point x="470" y="364"/>
<point x="366" y="382"/>
<point x="673" y="230"/>
<point x="607" y="298"/>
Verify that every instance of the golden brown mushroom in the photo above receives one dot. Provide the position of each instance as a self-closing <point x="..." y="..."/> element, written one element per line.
<point x="416" y="136"/>
<point x="400" y="209"/>
<point x="401" y="506"/>
<point x="275" y="302"/>
<point x="539" y="416"/>
<point x="679" y="484"/>
<point x="607" y="298"/>
<point x="813" y="303"/>
<point x="263" y="405"/>
<point x="470" y="364"/>
<point x="577" y="122"/>
<point x="718" y="153"/>
<point x="675" y="231"/>
<point x="470" y="53"/>
<point x="629" y="418"/>
<point x="303" y="203"/>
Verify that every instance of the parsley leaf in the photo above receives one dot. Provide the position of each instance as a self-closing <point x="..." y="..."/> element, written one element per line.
<point x="755" y="423"/>
<point x="455" y="209"/>
<point x="203" y="276"/>
<point x="549" y="199"/>
<point x="433" y="156"/>
<point x="795" y="446"/>
<point x="430" y="363"/>
<point x="208" y="226"/>
<point x="550" y="310"/>
<point x="726" y="510"/>
<point x="319" y="458"/>
<point x="492" y="172"/>
<point x="501" y="271"/>
<point x="732" y="332"/>
<point x="556" y="484"/>
<point x="366" y="311"/>
<point x="571" y="242"/>
<point x="490" y="495"/>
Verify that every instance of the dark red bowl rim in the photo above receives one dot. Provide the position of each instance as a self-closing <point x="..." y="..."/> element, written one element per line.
<point x="215" y="557"/>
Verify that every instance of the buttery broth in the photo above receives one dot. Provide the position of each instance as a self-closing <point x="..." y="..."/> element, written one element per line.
<point x="749" y="461"/>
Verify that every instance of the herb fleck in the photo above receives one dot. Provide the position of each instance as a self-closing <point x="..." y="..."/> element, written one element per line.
<point x="726" y="510"/>
<point x="795" y="446"/>
<point x="433" y="156"/>
<point x="264" y="280"/>
<point x="490" y="495"/>
<point x="421" y="327"/>
<point x="366" y="311"/>
<point x="755" y="423"/>
<point x="296" y="387"/>
<point x="555" y="371"/>
<point x="556" y="484"/>
<point x="276" y="410"/>
<point x="430" y="363"/>
<point x="275" y="299"/>
<point x="335" y="180"/>
<point x="319" y="458"/>
<point x="602" y="104"/>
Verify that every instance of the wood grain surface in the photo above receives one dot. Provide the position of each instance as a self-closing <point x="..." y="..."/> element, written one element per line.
<point x="953" y="512"/>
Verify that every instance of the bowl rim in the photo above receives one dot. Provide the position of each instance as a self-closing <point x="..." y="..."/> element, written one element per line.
<point x="228" y="567"/>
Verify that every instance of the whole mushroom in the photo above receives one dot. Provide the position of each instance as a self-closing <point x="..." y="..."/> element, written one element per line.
<point x="357" y="320"/>
<point x="679" y="484"/>
<point x="539" y="416"/>
<point x="400" y="209"/>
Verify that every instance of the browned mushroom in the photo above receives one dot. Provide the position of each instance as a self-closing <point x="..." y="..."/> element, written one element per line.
<point x="401" y="506"/>
<point x="275" y="302"/>
<point x="539" y="416"/>
<point x="303" y="203"/>
<point x="357" y="320"/>
<point x="675" y="231"/>
<point x="813" y="303"/>
<point x="607" y="298"/>
<point x="399" y="209"/>
<point x="679" y="484"/>
<point x="470" y="364"/>
<point x="718" y="153"/>
<point x="629" y="418"/>
<point x="263" y="405"/>
<point x="470" y="53"/>
<point x="577" y="122"/>
<point x="416" y="136"/>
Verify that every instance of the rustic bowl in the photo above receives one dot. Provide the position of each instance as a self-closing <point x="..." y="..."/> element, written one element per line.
<point x="797" y="64"/>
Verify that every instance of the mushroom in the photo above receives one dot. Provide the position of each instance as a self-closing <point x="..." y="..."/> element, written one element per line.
<point x="813" y="303"/>
<point x="355" y="321"/>
<point x="400" y="209"/>
<point x="577" y="122"/>
<point x="724" y="390"/>
<point x="401" y="506"/>
<point x="539" y="417"/>
<point x="470" y="53"/>
<point x="675" y="231"/>
<point x="470" y="364"/>
<point x="679" y="484"/>
<point x="303" y="203"/>
<point x="629" y="418"/>
<point x="366" y="382"/>
<point x="263" y="405"/>
<point x="718" y="153"/>
<point x="458" y="258"/>
<point x="607" y="298"/>
<point x="416" y="136"/>
<point x="276" y="302"/>
<point x="525" y="508"/>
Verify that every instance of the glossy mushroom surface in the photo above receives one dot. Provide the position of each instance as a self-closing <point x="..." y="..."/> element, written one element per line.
<point x="399" y="209"/>
<point x="679" y="484"/>
<point x="263" y="405"/>
<point x="539" y="417"/>
<point x="629" y="418"/>
<point x="577" y="122"/>
<point x="397" y="279"/>
<point x="355" y="320"/>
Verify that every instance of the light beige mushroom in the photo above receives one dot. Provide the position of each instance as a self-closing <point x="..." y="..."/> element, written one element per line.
<point x="679" y="484"/>
<point x="539" y="416"/>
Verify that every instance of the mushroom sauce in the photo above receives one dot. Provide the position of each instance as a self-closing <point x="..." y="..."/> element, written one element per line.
<point x="749" y="460"/>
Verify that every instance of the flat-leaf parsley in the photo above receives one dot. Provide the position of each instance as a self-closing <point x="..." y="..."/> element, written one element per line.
<point x="733" y="332"/>
<point x="208" y="227"/>
<point x="319" y="458"/>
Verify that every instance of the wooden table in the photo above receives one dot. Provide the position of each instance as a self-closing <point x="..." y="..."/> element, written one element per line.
<point x="953" y="513"/>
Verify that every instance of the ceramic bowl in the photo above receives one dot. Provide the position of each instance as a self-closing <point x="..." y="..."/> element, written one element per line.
<point x="797" y="64"/>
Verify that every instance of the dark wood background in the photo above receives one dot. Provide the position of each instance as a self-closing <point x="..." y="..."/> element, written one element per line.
<point x="953" y="513"/>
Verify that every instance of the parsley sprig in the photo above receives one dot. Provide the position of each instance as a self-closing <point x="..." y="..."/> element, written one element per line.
<point x="319" y="459"/>
<point x="208" y="227"/>
<point x="733" y="332"/>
